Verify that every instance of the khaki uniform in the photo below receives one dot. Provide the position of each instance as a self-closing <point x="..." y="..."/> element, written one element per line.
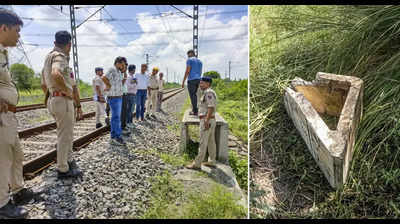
<point x="160" y="94"/>
<point x="153" y="84"/>
<point x="100" y="107"/>
<point x="61" y="108"/>
<point x="207" y="137"/>
<point x="11" y="154"/>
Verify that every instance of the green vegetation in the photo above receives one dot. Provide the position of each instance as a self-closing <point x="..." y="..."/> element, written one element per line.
<point x="289" y="41"/>
<point x="169" y="200"/>
<point x="233" y="105"/>
<point x="212" y="74"/>
<point x="24" y="77"/>
<point x="239" y="168"/>
<point x="171" y="85"/>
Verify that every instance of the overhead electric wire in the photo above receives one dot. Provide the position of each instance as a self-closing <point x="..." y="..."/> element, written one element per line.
<point x="154" y="44"/>
<point x="127" y="19"/>
<point x="141" y="32"/>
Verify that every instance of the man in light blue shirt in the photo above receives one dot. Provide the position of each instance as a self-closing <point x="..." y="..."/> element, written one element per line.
<point x="193" y="75"/>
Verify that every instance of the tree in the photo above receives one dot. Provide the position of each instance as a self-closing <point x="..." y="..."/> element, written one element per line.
<point x="212" y="74"/>
<point x="22" y="75"/>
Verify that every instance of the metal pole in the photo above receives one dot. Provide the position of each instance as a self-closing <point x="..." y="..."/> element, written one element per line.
<point x="147" y="60"/>
<point x="196" y="29"/>
<point x="74" y="43"/>
<point x="229" y="70"/>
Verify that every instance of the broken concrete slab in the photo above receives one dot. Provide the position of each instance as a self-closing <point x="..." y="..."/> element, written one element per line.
<point x="332" y="95"/>
<point x="221" y="175"/>
<point x="221" y="134"/>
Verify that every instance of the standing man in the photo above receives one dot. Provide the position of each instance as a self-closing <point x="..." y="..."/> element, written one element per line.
<point x="131" y="83"/>
<point x="142" y="88"/>
<point x="98" y="89"/>
<point x="11" y="154"/>
<point x="153" y="93"/>
<point x="124" y="109"/>
<point x="208" y="106"/>
<point x="160" y="91"/>
<point x="114" y="85"/>
<point x="63" y="102"/>
<point x="193" y="74"/>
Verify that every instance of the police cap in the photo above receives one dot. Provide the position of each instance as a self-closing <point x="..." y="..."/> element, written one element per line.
<point x="63" y="37"/>
<point x="206" y="79"/>
<point x="98" y="69"/>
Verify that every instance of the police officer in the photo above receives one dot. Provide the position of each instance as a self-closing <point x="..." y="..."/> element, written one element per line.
<point x="11" y="154"/>
<point x="152" y="92"/>
<point x="63" y="102"/>
<point x="98" y="90"/>
<point x="207" y="108"/>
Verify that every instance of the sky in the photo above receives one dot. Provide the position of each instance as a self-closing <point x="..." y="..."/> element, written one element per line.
<point x="132" y="31"/>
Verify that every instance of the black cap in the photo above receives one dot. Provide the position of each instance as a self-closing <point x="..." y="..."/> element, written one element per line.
<point x="190" y="51"/>
<point x="63" y="37"/>
<point x="98" y="69"/>
<point x="206" y="79"/>
<point x="131" y="67"/>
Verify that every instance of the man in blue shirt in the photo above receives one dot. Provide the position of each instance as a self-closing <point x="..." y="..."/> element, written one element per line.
<point x="193" y="75"/>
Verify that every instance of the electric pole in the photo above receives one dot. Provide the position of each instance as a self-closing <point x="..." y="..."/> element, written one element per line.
<point x="147" y="60"/>
<point x="196" y="30"/>
<point x="229" y="70"/>
<point x="74" y="44"/>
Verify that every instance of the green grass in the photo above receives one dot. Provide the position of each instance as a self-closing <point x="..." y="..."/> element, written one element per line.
<point x="289" y="41"/>
<point x="167" y="191"/>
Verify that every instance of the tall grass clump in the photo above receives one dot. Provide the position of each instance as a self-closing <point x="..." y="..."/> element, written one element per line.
<point x="362" y="41"/>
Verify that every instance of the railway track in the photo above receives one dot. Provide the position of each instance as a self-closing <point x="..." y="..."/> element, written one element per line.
<point x="41" y="141"/>
<point x="41" y="105"/>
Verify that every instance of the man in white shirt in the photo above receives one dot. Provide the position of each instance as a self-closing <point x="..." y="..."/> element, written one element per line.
<point x="142" y="79"/>
<point x="160" y="91"/>
<point x="131" y="84"/>
<point x="98" y="97"/>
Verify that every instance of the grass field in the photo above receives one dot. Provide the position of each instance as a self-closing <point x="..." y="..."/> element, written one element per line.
<point x="290" y="41"/>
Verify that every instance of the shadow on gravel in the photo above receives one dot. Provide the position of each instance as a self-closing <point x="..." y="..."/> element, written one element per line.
<point x="60" y="199"/>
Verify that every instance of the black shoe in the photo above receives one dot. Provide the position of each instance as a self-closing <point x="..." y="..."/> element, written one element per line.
<point x="71" y="173"/>
<point x="12" y="211"/>
<point x="23" y="196"/>
<point x="99" y="125"/>
<point x="72" y="165"/>
<point x="193" y="113"/>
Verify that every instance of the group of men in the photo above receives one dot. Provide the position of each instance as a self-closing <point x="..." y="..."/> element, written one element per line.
<point x="124" y="92"/>
<point x="121" y="92"/>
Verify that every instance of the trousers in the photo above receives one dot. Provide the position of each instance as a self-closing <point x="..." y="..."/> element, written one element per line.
<point x="207" y="141"/>
<point x="63" y="111"/>
<point x="140" y="100"/>
<point x="152" y="101"/>
<point x="11" y="158"/>
<point x="115" y="106"/>
<point x="131" y="107"/>
<point x="193" y="88"/>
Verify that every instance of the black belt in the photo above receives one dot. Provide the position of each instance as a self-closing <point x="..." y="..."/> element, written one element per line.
<point x="112" y="97"/>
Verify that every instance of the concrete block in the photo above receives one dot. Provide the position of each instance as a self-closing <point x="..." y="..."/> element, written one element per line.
<point x="221" y="134"/>
<point x="333" y="96"/>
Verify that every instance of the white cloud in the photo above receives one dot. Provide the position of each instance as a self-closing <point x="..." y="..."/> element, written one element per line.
<point x="215" y="55"/>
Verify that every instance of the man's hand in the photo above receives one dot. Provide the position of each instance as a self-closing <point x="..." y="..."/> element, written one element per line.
<point x="3" y="106"/>
<point x="107" y="88"/>
<point x="206" y="124"/>
<point x="101" y="99"/>
<point x="183" y="84"/>
<point x="79" y="114"/>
